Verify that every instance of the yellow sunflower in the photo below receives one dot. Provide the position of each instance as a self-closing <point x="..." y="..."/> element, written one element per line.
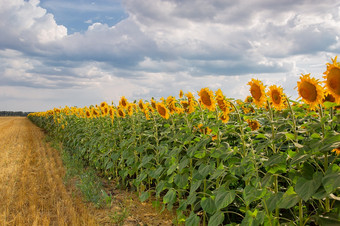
<point x="249" y="99"/>
<point x="121" y="112"/>
<point x="192" y="103"/>
<point x="276" y="97"/>
<point x="253" y="124"/>
<point x="123" y="102"/>
<point x="207" y="98"/>
<point x="257" y="92"/>
<point x="153" y="103"/>
<point x="332" y="79"/>
<point x="224" y="117"/>
<point x="310" y="90"/>
<point x="180" y="94"/>
<point x="221" y="102"/>
<point x="130" y="109"/>
<point x="103" y="104"/>
<point x="141" y="104"/>
<point x="336" y="150"/>
<point x="163" y="111"/>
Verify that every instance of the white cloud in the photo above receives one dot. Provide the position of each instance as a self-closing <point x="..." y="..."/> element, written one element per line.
<point x="166" y="45"/>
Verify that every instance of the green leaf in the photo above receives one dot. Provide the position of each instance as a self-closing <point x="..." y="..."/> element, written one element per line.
<point x="306" y="188"/>
<point x="331" y="179"/>
<point x="275" y="159"/>
<point x="224" y="198"/>
<point x="192" y="150"/>
<point x="195" y="185"/>
<point x="289" y="199"/>
<point x="170" y="197"/>
<point x="299" y="158"/>
<point x="273" y="201"/>
<point x="157" y="172"/>
<point x="204" y="170"/>
<point x="181" y="180"/>
<point x="144" y="196"/>
<point x="251" y="194"/>
<point x="216" y="219"/>
<point x="290" y="136"/>
<point x="171" y="169"/>
<point x="192" y="220"/>
<point x="208" y="205"/>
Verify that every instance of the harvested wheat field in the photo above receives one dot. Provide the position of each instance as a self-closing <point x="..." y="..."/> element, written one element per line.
<point x="32" y="191"/>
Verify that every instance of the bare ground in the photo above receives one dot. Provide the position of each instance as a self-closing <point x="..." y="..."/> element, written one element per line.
<point x="32" y="191"/>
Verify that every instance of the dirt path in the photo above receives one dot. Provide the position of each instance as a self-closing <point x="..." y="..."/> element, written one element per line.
<point x="32" y="191"/>
<point x="31" y="186"/>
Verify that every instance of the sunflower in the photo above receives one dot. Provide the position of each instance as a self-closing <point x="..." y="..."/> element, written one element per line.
<point x="180" y="94"/>
<point x="336" y="150"/>
<point x="112" y="112"/>
<point x="332" y="79"/>
<point x="103" y="104"/>
<point x="141" y="104"/>
<point x="221" y="102"/>
<point x="328" y="97"/>
<point x="130" y="109"/>
<point x="121" y="113"/>
<point x="95" y="113"/>
<point x="171" y="104"/>
<point x="249" y="99"/>
<point x="192" y="103"/>
<point x="257" y="92"/>
<point x="276" y="97"/>
<point x="123" y="102"/>
<point x="207" y="98"/>
<point x="163" y="111"/>
<point x="185" y="105"/>
<point x="224" y="117"/>
<point x="310" y="90"/>
<point x="253" y="124"/>
<point x="153" y="103"/>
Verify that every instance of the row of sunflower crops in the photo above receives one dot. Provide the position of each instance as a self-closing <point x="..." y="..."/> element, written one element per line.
<point x="267" y="160"/>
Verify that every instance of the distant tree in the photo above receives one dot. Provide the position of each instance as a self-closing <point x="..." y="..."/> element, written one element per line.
<point x="14" y="113"/>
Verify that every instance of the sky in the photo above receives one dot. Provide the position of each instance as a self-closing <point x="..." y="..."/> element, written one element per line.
<point x="55" y="53"/>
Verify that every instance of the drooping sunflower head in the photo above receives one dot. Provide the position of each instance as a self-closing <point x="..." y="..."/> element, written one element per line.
<point x="328" y="97"/>
<point x="221" y="102"/>
<point x="257" y="90"/>
<point x="332" y="79"/>
<point x="310" y="90"/>
<point x="276" y="97"/>
<point x="207" y="98"/>
<point x="163" y="111"/>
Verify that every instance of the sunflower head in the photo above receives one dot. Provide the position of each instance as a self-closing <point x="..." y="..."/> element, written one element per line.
<point x="153" y="103"/>
<point x="257" y="92"/>
<point x="276" y="97"/>
<point x="130" y="109"/>
<point x="224" y="117"/>
<point x="141" y="104"/>
<point x="103" y="104"/>
<point x="163" y="111"/>
<point x="123" y="102"/>
<point x="181" y="94"/>
<point x="253" y="124"/>
<point x="332" y="79"/>
<point x="121" y="113"/>
<point x="207" y="98"/>
<point x="310" y="90"/>
<point x="336" y="150"/>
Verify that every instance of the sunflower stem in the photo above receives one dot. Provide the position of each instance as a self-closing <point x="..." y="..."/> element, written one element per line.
<point x="293" y="118"/>
<point x="241" y="129"/>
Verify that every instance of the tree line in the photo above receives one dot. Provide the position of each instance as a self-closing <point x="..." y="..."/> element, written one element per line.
<point x="14" y="113"/>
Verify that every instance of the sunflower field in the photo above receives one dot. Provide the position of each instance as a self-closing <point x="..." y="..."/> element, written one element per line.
<point x="267" y="160"/>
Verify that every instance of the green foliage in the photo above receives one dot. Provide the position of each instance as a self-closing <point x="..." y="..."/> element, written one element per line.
<point x="282" y="173"/>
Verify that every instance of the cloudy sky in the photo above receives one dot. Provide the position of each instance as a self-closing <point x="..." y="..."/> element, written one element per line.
<point x="81" y="52"/>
